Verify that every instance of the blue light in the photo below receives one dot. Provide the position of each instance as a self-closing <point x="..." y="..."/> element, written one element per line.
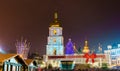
<point x="1" y="50"/>
<point x="69" y="48"/>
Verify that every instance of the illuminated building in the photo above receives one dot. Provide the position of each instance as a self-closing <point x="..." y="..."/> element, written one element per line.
<point x="32" y="64"/>
<point x="114" y="54"/>
<point x="55" y="38"/>
<point x="23" y="48"/>
<point x="12" y="62"/>
<point x="55" y="54"/>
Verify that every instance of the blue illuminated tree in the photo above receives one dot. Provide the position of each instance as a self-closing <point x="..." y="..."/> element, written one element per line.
<point x="69" y="48"/>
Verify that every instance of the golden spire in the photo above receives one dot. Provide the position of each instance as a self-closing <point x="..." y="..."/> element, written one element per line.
<point x="86" y="43"/>
<point x="55" y="22"/>
<point x="55" y="15"/>
<point x="86" y="48"/>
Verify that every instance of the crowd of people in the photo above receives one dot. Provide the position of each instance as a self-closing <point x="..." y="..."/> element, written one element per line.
<point x="90" y="69"/>
<point x="96" y="69"/>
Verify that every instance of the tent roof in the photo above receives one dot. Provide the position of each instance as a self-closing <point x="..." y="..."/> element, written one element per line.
<point x="4" y="57"/>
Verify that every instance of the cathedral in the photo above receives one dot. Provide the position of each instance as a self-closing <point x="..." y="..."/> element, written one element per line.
<point x="56" y="52"/>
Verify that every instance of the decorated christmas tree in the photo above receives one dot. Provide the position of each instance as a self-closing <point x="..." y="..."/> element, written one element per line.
<point x="69" y="48"/>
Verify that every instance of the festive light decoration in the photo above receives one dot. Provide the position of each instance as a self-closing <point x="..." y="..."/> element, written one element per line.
<point x="89" y="56"/>
<point x="23" y="48"/>
<point x="69" y="48"/>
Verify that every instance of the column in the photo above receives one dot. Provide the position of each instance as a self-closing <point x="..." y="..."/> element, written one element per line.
<point x="19" y="68"/>
<point x="28" y="68"/>
<point x="16" y="68"/>
<point x="31" y="69"/>
<point x="100" y="62"/>
<point x="13" y="68"/>
<point x="9" y="67"/>
<point x="4" y="65"/>
<point x="110" y="57"/>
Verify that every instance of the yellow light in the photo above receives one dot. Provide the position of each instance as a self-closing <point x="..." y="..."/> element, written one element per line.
<point x="55" y="25"/>
<point x="54" y="31"/>
<point x="86" y="48"/>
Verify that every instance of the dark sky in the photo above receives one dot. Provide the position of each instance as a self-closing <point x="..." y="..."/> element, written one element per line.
<point x="98" y="21"/>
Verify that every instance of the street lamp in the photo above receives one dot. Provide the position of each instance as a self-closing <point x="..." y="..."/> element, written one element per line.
<point x="109" y="53"/>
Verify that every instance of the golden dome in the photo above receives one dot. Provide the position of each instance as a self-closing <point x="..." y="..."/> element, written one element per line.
<point x="55" y="23"/>
<point x="86" y="48"/>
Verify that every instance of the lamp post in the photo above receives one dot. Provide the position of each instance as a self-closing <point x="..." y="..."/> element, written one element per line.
<point x="109" y="53"/>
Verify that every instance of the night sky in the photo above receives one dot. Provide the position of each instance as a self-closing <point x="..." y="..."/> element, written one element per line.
<point x="98" y="21"/>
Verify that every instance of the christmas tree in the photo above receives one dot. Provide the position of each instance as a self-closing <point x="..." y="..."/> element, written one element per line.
<point x="69" y="48"/>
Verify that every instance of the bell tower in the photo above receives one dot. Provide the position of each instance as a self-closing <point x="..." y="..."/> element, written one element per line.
<point x="55" y="38"/>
